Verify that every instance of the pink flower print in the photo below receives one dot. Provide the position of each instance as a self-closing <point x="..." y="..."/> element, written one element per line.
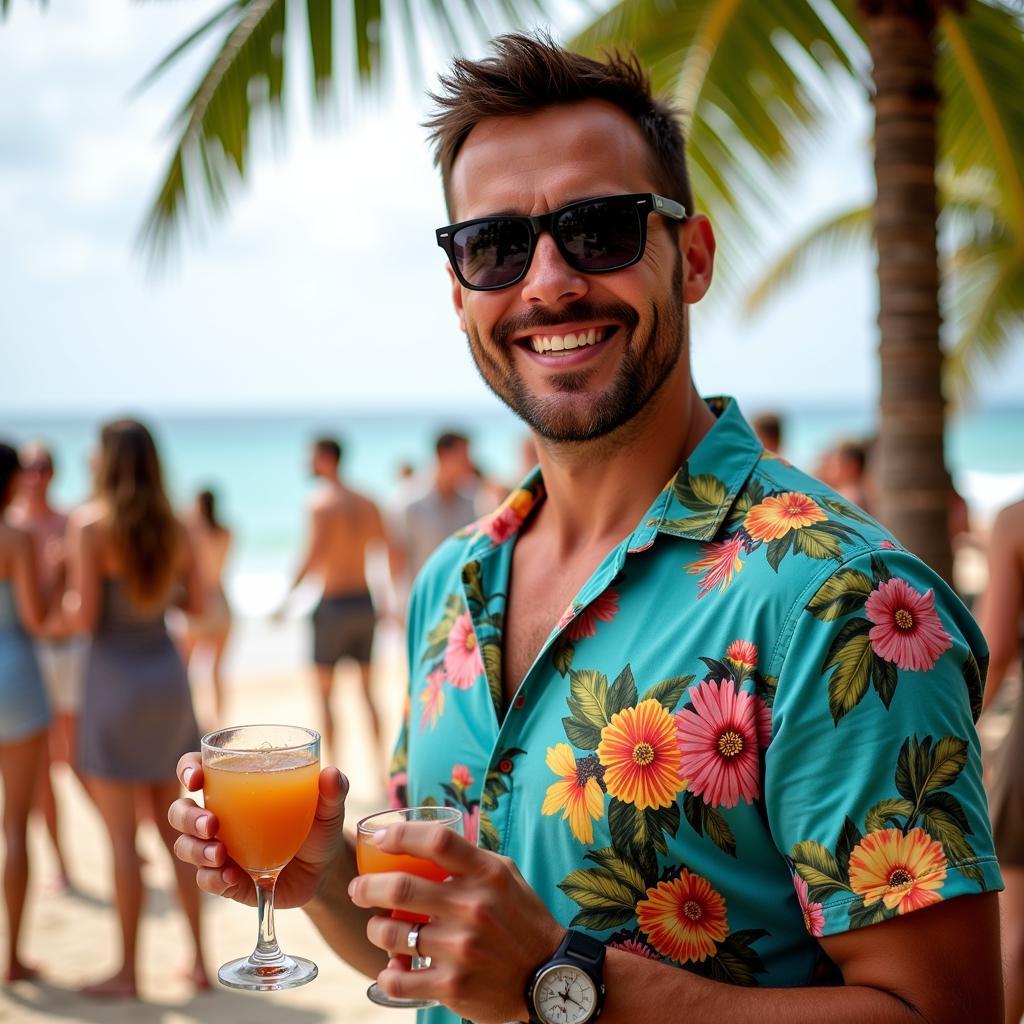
<point x="602" y="609"/>
<point x="742" y="652"/>
<point x="462" y="661"/>
<point x="636" y="947"/>
<point x="432" y="699"/>
<point x="461" y="777"/>
<point x="396" y="789"/>
<point x="720" y="561"/>
<point x="814" y="914"/>
<point x="907" y="630"/>
<point x="720" y="740"/>
<point x="471" y="823"/>
<point x="505" y="521"/>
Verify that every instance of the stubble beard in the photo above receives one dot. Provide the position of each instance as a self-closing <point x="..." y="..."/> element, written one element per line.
<point x="575" y="414"/>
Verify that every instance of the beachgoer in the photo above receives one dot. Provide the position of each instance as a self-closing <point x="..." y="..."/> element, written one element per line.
<point x="61" y="658"/>
<point x="207" y="634"/>
<point x="344" y="527"/>
<point x="129" y="558"/>
<point x="24" y="710"/>
<point x="697" y="709"/>
<point x="768" y="428"/>
<point x="1000" y="616"/>
<point x="447" y="504"/>
<point x="848" y="465"/>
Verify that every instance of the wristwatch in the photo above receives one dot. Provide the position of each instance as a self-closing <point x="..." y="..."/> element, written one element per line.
<point x="568" y="988"/>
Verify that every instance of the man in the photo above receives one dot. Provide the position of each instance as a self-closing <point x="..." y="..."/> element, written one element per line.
<point x="723" y="724"/>
<point x="60" y="657"/>
<point x="768" y="428"/>
<point x="343" y="526"/>
<point x="444" y="507"/>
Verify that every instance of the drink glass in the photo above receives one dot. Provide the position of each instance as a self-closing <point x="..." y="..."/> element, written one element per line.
<point x="370" y="859"/>
<point x="262" y="783"/>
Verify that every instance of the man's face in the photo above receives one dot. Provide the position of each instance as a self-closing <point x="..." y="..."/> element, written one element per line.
<point x="632" y="319"/>
<point x="36" y="476"/>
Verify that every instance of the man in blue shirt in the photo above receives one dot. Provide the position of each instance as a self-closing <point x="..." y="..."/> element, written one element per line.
<point x="709" y="725"/>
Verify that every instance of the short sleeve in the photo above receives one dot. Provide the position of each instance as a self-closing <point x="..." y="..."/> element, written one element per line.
<point x="873" y="777"/>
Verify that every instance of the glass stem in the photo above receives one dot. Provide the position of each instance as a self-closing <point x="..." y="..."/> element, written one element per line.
<point x="267" y="951"/>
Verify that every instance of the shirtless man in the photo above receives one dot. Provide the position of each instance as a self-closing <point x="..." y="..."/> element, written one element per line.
<point x="343" y="526"/>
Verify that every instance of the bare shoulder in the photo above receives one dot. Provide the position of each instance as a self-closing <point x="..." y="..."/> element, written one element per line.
<point x="89" y="516"/>
<point x="1008" y="528"/>
<point x="14" y="538"/>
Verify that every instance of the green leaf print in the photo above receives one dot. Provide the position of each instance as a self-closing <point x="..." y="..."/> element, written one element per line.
<point x="752" y="494"/>
<point x="588" y="697"/>
<point x="815" y="542"/>
<point x="705" y="820"/>
<point x="700" y="523"/>
<point x="472" y="581"/>
<point x="624" y="870"/>
<point x="819" y="869"/>
<point x="734" y="962"/>
<point x="942" y="826"/>
<point x="581" y="734"/>
<point x="634" y="830"/>
<point x="846" y="511"/>
<point x="860" y="916"/>
<point x="921" y="770"/>
<point x="880" y="571"/>
<point x="622" y="693"/>
<point x="437" y="638"/>
<point x="601" y="920"/>
<point x="488" y="838"/>
<point x="599" y="889"/>
<point x="490" y="652"/>
<point x="886" y="813"/>
<point x="946" y="805"/>
<point x="669" y="692"/>
<point x="700" y="492"/>
<point x="884" y="678"/>
<point x="850" y="655"/>
<point x="778" y="549"/>
<point x="843" y="592"/>
<point x="563" y="650"/>
<point x="849" y="837"/>
<point x="975" y="688"/>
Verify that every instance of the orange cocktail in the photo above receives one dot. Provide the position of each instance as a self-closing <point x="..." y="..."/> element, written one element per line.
<point x="372" y="861"/>
<point x="262" y="783"/>
<point x="264" y="808"/>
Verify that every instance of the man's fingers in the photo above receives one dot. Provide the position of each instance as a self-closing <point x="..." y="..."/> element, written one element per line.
<point x="187" y="817"/>
<point x="200" y="852"/>
<point x="229" y="881"/>
<point x="190" y="771"/>
<point x="333" y="790"/>
<point x="396" y="890"/>
<point x="440" y="845"/>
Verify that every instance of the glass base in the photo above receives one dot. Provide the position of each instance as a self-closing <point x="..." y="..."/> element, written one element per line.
<point x="246" y="973"/>
<point x="377" y="996"/>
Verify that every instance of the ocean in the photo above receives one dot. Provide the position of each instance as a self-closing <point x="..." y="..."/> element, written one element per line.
<point x="258" y="465"/>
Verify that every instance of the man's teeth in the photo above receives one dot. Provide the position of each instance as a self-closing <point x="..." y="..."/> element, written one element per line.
<point x="564" y="342"/>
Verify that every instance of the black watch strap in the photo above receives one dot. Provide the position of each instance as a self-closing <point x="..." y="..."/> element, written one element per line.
<point x="581" y="946"/>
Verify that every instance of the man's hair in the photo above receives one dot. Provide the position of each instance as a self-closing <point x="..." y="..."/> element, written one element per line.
<point x="530" y="73"/>
<point x="768" y="425"/>
<point x="855" y="451"/>
<point x="36" y="453"/>
<point x="328" y="446"/>
<point x="448" y="440"/>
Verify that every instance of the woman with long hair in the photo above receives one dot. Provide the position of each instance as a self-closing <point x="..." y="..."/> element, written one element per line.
<point x="208" y="632"/>
<point x="24" y="711"/>
<point x="129" y="559"/>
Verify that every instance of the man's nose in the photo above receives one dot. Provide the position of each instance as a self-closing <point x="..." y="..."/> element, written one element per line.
<point x="550" y="279"/>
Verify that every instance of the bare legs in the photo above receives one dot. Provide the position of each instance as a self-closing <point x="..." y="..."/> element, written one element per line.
<point x="325" y="687"/>
<point x="1011" y="907"/>
<point x="47" y="805"/>
<point x="117" y="803"/>
<point x="374" y="714"/>
<point x="325" y="683"/>
<point x="21" y="764"/>
<point x="216" y="645"/>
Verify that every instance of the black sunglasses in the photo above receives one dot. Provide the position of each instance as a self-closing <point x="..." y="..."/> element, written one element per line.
<point x="594" y="236"/>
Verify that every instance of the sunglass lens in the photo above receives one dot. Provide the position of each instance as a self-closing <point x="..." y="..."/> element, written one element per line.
<point x="492" y="253"/>
<point x="601" y="235"/>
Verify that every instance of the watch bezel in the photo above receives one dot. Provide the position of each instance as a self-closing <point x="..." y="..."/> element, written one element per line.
<point x="559" y="965"/>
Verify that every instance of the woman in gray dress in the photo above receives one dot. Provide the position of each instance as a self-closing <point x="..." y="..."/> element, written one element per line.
<point x="129" y="559"/>
<point x="24" y="712"/>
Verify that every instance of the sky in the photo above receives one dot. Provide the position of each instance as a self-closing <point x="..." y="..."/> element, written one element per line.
<point x="322" y="287"/>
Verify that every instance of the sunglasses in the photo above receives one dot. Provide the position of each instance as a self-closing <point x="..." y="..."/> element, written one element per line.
<point x="594" y="236"/>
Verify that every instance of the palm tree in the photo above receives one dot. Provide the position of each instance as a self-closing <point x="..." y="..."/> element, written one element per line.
<point x="943" y="82"/>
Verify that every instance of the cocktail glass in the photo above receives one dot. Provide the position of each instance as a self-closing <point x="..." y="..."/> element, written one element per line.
<point x="370" y="859"/>
<point x="262" y="783"/>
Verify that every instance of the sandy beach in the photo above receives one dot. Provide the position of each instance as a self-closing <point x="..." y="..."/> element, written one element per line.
<point x="72" y="937"/>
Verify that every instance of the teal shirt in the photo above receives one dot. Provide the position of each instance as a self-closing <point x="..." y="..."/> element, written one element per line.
<point x="753" y="726"/>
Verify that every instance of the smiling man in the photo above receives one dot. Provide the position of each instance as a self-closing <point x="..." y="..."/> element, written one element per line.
<point x="711" y="727"/>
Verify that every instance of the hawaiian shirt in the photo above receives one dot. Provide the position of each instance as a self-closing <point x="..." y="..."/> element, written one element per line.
<point x="752" y="727"/>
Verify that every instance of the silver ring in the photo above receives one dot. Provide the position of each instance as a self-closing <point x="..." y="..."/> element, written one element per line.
<point x="412" y="940"/>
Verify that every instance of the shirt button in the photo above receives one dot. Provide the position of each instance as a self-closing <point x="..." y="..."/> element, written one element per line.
<point x="519" y="702"/>
<point x="505" y="766"/>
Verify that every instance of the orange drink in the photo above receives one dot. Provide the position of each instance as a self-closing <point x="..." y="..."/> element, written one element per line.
<point x="372" y="861"/>
<point x="264" y="812"/>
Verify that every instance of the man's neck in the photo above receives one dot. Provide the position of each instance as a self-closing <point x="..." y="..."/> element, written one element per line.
<point x="35" y="508"/>
<point x="597" y="491"/>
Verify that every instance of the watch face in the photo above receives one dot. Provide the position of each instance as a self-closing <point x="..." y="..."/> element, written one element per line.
<point x="564" y="995"/>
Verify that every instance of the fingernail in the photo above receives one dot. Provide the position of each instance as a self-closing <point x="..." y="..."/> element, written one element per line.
<point x="351" y="888"/>
<point x="203" y="823"/>
<point x="186" y="775"/>
<point x="209" y="850"/>
<point x="378" y="836"/>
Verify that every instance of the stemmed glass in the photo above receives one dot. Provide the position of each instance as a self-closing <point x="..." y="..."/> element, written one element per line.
<point x="370" y="859"/>
<point x="262" y="783"/>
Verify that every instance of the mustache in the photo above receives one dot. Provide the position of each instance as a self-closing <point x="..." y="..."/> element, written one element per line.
<point x="575" y="311"/>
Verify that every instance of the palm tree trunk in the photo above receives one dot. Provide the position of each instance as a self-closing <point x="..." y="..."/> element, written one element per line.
<point x="913" y="483"/>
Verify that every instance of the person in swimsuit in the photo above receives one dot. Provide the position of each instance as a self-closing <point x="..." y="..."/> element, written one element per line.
<point x="24" y="710"/>
<point x="128" y="558"/>
<point x="209" y="632"/>
<point x="343" y="526"/>
<point x="61" y="657"/>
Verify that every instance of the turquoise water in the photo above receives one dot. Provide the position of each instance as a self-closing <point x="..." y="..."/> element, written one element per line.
<point x="259" y="464"/>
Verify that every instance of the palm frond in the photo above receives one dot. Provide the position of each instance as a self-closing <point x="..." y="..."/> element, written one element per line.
<point x="836" y="235"/>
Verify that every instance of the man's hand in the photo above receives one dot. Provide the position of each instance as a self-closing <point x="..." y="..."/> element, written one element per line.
<point x="488" y="930"/>
<point x="218" y="874"/>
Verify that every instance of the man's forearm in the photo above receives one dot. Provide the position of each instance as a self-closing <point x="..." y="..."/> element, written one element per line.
<point x="340" y="922"/>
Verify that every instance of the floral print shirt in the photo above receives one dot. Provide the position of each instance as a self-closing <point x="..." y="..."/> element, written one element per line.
<point x="752" y="727"/>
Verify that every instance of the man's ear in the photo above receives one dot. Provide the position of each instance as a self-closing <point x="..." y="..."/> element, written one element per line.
<point x="697" y="245"/>
<point x="457" y="298"/>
